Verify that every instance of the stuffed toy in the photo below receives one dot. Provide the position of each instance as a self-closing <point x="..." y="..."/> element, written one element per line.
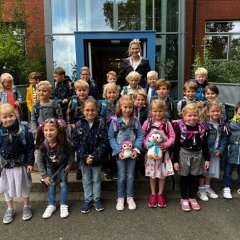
<point x="154" y="152"/>
<point x="127" y="149"/>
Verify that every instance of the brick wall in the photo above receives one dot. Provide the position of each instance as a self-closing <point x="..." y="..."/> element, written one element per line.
<point x="206" y="10"/>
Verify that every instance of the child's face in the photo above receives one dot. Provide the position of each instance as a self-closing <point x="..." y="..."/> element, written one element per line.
<point x="82" y="93"/>
<point x="33" y="82"/>
<point x="238" y="114"/>
<point x="190" y="93"/>
<point x="111" y="95"/>
<point x="210" y="95"/>
<point x="43" y="93"/>
<point x="50" y="132"/>
<point x="111" y="79"/>
<point x="7" y="83"/>
<point x="152" y="80"/>
<point x="191" y="117"/>
<point x="85" y="75"/>
<point x="126" y="108"/>
<point x="133" y="83"/>
<point x="201" y="78"/>
<point x="8" y="118"/>
<point x="157" y="114"/>
<point x="58" y="78"/>
<point x="162" y="92"/>
<point x="140" y="101"/>
<point x="90" y="112"/>
<point x="214" y="113"/>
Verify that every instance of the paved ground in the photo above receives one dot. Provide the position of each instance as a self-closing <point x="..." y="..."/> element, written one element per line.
<point x="218" y="219"/>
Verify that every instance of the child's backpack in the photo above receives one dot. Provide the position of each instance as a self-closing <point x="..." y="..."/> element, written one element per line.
<point x="54" y="106"/>
<point x="103" y="107"/>
<point x="74" y="102"/>
<point x="125" y="90"/>
<point x="150" y="126"/>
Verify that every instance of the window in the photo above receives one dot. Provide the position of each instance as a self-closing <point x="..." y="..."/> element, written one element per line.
<point x="222" y="39"/>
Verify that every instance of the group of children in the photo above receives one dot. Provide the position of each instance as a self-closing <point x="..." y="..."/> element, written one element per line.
<point x="141" y="128"/>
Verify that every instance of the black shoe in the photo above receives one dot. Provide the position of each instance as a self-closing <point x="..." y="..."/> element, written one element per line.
<point x="79" y="175"/>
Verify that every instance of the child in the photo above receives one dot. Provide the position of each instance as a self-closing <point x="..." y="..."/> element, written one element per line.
<point x="150" y="89"/>
<point x="86" y="76"/>
<point x="233" y="158"/>
<point x="133" y="79"/>
<point x="189" y="149"/>
<point x="63" y="89"/>
<point x="125" y="127"/>
<point x="189" y="91"/>
<point x="112" y="78"/>
<point x="56" y="155"/>
<point x="9" y="93"/>
<point x="201" y="75"/>
<point x="16" y="162"/>
<point x="44" y="108"/>
<point x="217" y="138"/>
<point x="31" y="95"/>
<point x="163" y="87"/>
<point x="153" y="168"/>
<point x="211" y="92"/>
<point x="107" y="109"/>
<point x="90" y="140"/>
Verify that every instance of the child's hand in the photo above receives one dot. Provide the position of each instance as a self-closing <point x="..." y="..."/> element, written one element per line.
<point x="89" y="159"/>
<point x="29" y="168"/>
<point x="134" y="154"/>
<point x="64" y="101"/>
<point x="67" y="168"/>
<point x="216" y="153"/>
<point x="16" y="104"/>
<point x="200" y="104"/>
<point x="47" y="181"/>
<point x="121" y="155"/>
<point x="161" y="145"/>
<point x="73" y="125"/>
<point x="176" y="166"/>
<point x="206" y="164"/>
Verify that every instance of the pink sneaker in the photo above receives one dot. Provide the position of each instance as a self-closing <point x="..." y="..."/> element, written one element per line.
<point x="185" y="205"/>
<point x="161" y="201"/>
<point x="152" y="201"/>
<point x="194" y="204"/>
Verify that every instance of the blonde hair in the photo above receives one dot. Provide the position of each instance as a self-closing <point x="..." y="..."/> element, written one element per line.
<point x="90" y="101"/>
<point x="157" y="103"/>
<point x="162" y="83"/>
<point x="191" y="107"/>
<point x="133" y="75"/>
<point x="140" y="92"/>
<point x="109" y="86"/>
<point x="5" y="108"/>
<point x="134" y="41"/>
<point x="45" y="84"/>
<point x="59" y="71"/>
<point x="190" y="85"/>
<point x="205" y="110"/>
<point x="111" y="73"/>
<point x="151" y="74"/>
<point x="81" y="84"/>
<point x="4" y="76"/>
<point x="85" y="69"/>
<point x="201" y="71"/>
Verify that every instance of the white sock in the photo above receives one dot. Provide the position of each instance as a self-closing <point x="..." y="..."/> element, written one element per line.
<point x="207" y="187"/>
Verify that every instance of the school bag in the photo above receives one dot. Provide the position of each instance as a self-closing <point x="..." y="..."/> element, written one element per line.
<point x="54" y="106"/>
<point x="103" y="107"/>
<point x="150" y="126"/>
<point x="74" y="102"/>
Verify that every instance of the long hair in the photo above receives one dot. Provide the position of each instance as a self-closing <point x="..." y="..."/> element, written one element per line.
<point x="61" y="132"/>
<point x="205" y="110"/>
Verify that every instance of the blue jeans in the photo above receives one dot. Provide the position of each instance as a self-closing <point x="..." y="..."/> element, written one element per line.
<point x="227" y="177"/>
<point x="91" y="179"/>
<point x="125" y="180"/>
<point x="62" y="178"/>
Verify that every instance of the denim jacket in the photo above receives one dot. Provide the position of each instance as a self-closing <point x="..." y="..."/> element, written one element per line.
<point x="234" y="143"/>
<point x="90" y="141"/>
<point x="212" y="136"/>
<point x="125" y="134"/>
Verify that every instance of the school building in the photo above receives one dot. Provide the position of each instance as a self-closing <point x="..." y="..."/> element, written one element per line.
<point x="96" y="33"/>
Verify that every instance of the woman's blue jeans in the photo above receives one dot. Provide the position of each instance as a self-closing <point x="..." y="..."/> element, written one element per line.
<point x="125" y="179"/>
<point x="62" y="178"/>
<point x="91" y="179"/>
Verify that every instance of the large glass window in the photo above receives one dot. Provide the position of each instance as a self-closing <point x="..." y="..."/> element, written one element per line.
<point x="63" y="16"/>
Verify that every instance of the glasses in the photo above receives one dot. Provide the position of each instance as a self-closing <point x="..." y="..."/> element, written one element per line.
<point x="85" y="74"/>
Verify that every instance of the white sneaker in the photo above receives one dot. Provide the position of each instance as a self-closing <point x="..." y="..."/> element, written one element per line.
<point x="227" y="193"/>
<point x="131" y="203"/>
<point x="202" y="195"/>
<point x="49" y="211"/>
<point x="64" y="211"/>
<point x="210" y="193"/>
<point x="238" y="191"/>
<point x="120" y="204"/>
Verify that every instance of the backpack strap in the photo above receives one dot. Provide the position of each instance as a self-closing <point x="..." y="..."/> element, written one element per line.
<point x="125" y="90"/>
<point x="150" y="126"/>
<point x="183" y="103"/>
<point x="103" y="107"/>
<point x="74" y="102"/>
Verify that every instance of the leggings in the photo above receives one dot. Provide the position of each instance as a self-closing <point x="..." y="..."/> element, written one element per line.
<point x="188" y="186"/>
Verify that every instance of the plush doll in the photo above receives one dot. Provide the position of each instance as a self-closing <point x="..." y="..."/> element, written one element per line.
<point x="126" y="149"/>
<point x="154" y="151"/>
